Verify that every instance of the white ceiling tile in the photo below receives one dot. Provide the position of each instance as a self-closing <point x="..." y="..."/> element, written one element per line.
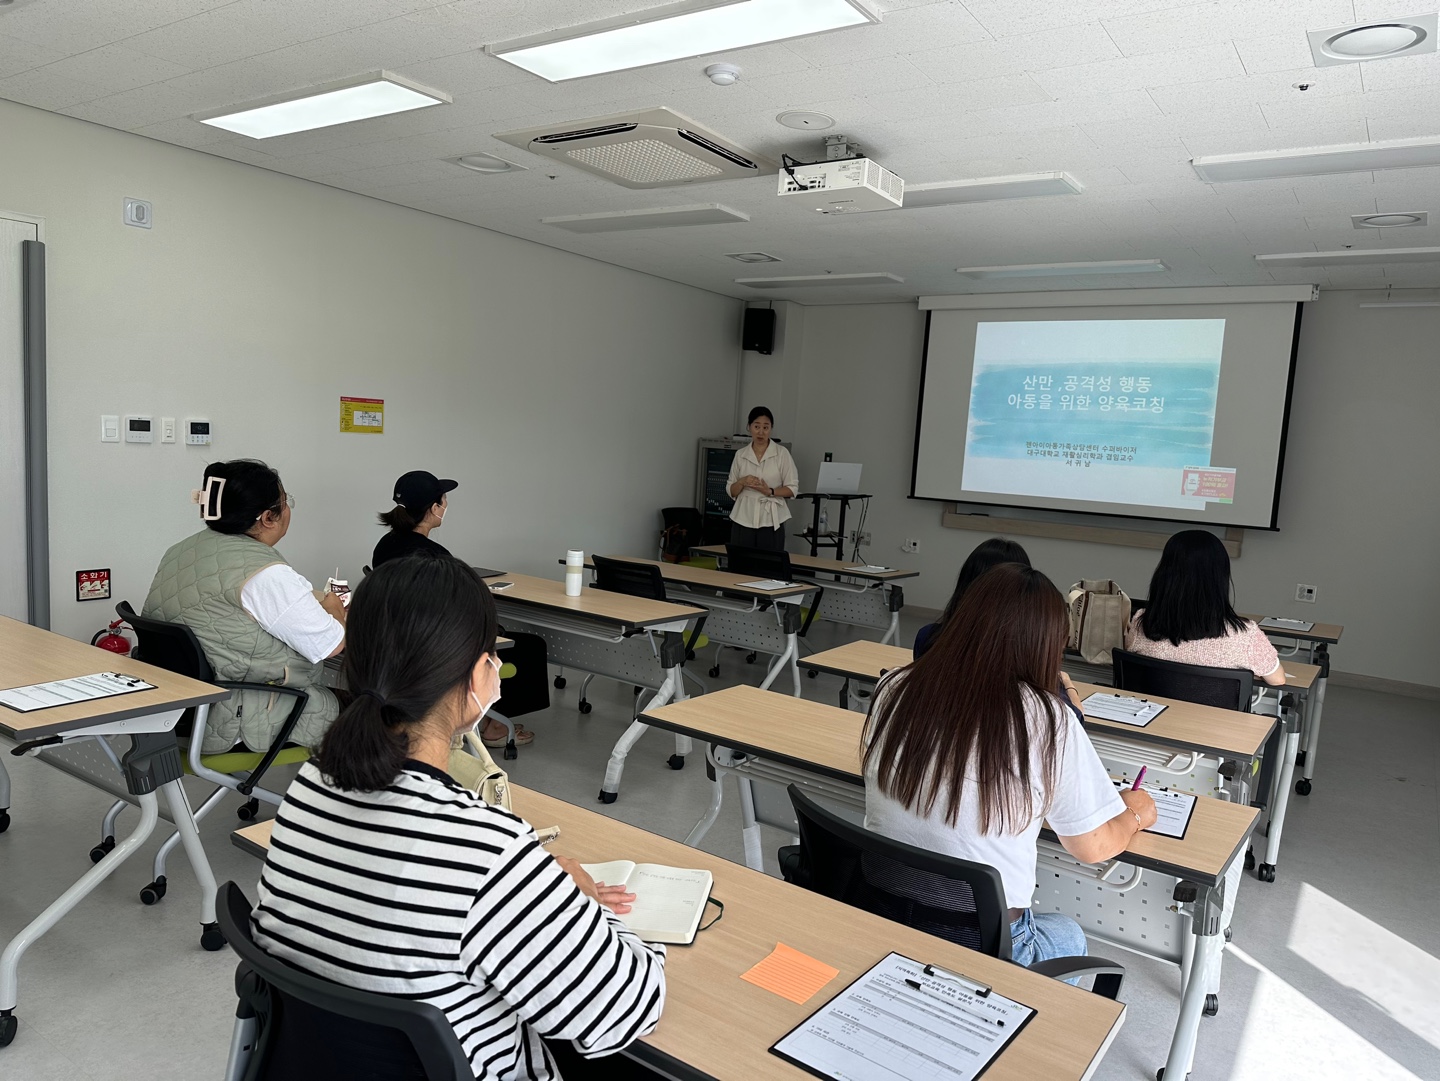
<point x="1000" y="92"/>
<point x="1197" y="24"/>
<point x="756" y="62"/>
<point x="63" y="27"/>
<point x="1016" y="55"/>
<point x="132" y="108"/>
<point x="1403" y="127"/>
<point x="45" y="91"/>
<point x="945" y="23"/>
<point x="1322" y="131"/>
<point x="1286" y="52"/>
<point x="117" y="68"/>
<point x="1004" y="18"/>
<point x="184" y="132"/>
<point x="1170" y="69"/>
<point x="1065" y="112"/>
<point x="867" y="78"/>
<point x="17" y="56"/>
<point x="1261" y="89"/>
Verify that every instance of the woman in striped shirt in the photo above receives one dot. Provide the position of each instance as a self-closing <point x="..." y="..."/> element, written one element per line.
<point x="386" y="875"/>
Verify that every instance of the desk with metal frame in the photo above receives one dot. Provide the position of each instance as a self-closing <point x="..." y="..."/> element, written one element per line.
<point x="75" y="740"/>
<point x="760" y="620"/>
<point x="855" y="595"/>
<point x="1185" y="887"/>
<point x="630" y="639"/>
<point x="1317" y="641"/>
<point x="718" y="1027"/>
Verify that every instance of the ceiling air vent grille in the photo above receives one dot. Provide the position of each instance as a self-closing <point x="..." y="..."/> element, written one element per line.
<point x="644" y="161"/>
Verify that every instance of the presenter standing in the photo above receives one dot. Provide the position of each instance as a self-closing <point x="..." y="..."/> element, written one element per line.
<point x="762" y="478"/>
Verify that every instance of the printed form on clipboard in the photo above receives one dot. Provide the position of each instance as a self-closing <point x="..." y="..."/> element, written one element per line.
<point x="906" y="1021"/>
<point x="1121" y="708"/>
<point x="1173" y="810"/>
<point x="67" y="692"/>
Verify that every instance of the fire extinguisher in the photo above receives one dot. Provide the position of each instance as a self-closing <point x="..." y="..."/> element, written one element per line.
<point x="110" y="638"/>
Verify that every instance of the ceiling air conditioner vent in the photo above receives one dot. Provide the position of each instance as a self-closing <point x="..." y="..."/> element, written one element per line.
<point x="654" y="148"/>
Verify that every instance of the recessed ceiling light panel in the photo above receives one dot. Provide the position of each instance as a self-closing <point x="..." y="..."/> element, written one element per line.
<point x="377" y="94"/>
<point x="1320" y="160"/>
<point x="1351" y="256"/>
<point x="987" y="189"/>
<point x="808" y="280"/>
<point x="1064" y="270"/>
<point x="675" y="32"/>
<point x="487" y="164"/>
<point x="655" y="218"/>
<point x="1379" y="40"/>
<point x="1390" y="221"/>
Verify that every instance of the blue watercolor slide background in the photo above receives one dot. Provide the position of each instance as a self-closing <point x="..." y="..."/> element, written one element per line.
<point x="1181" y="358"/>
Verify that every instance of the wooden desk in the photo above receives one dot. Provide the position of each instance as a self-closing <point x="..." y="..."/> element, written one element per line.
<point x="719" y="1026"/>
<point x="1187" y="884"/>
<point x="634" y="640"/>
<point x="1328" y="633"/>
<point x="720" y="581"/>
<point x="29" y="655"/>
<point x="821" y="565"/>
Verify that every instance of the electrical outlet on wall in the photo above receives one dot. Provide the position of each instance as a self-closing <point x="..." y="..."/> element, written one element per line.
<point x="1305" y="593"/>
<point x="856" y="537"/>
<point x="910" y="545"/>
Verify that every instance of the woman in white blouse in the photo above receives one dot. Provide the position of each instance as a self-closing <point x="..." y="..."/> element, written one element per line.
<point x="762" y="477"/>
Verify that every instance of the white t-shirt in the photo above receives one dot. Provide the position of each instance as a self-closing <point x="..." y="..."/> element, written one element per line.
<point x="777" y="469"/>
<point x="1084" y="799"/>
<point x="283" y="603"/>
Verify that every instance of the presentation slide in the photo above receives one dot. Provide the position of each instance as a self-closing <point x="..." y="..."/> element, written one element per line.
<point x="1175" y="412"/>
<point x="1114" y="410"/>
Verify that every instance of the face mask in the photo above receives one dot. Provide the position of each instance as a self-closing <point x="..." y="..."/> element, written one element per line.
<point x="485" y="708"/>
<point x="441" y="516"/>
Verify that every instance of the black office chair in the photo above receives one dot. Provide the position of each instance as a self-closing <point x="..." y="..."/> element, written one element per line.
<point x="293" y="1026"/>
<point x="174" y="647"/>
<point x="950" y="898"/>
<point x="1224" y="688"/>
<point x="682" y="530"/>
<point x="640" y="580"/>
<point x="764" y="563"/>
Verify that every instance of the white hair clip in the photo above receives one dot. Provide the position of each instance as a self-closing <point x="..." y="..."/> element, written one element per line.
<point x="209" y="499"/>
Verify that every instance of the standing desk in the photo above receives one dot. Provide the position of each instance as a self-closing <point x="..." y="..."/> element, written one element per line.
<point x="630" y="639"/>
<point x="717" y="1027"/>
<point x="73" y="739"/>
<point x="1173" y="906"/>
<point x="1317" y="641"/>
<point x="813" y="536"/>
<point x="760" y="620"/>
<point x="870" y="598"/>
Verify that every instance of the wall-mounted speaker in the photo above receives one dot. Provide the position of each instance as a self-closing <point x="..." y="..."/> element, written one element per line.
<point x="758" y="333"/>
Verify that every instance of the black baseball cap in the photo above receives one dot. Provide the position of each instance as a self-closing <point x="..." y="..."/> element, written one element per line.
<point x="419" y="490"/>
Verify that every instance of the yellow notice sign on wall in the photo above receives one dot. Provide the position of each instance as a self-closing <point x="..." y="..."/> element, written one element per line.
<point x="364" y="415"/>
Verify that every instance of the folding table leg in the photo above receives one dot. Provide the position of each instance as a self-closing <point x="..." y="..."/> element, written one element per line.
<point x="672" y="690"/>
<point x="184" y="819"/>
<point x="4" y="799"/>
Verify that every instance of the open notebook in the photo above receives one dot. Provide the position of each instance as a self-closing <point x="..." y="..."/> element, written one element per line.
<point x="669" y="901"/>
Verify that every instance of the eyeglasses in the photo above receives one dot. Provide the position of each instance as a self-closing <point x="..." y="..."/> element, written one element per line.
<point x="287" y="500"/>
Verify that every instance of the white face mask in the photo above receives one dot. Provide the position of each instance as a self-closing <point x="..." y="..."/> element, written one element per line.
<point x="441" y="516"/>
<point x="485" y="707"/>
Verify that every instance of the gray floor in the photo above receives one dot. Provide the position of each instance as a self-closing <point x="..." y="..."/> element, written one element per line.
<point x="1333" y="971"/>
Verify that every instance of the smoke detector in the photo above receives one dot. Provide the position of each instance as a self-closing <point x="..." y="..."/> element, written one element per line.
<point x="650" y="148"/>
<point x="723" y="74"/>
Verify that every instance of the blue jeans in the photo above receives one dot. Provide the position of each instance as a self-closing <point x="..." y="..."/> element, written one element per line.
<point x="1042" y="936"/>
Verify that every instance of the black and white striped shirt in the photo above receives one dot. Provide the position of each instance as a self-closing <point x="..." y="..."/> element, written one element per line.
<point x="421" y="890"/>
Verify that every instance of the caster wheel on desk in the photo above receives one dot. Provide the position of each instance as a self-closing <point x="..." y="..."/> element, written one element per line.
<point x="750" y="658"/>
<point x="210" y="937"/>
<point x="714" y="671"/>
<point x="608" y="797"/>
<point x="100" y="851"/>
<point x="585" y="706"/>
<point x="4" y="821"/>
<point x="1265" y="872"/>
<point x="153" y="893"/>
<point x="676" y="761"/>
<point x="1212" y="1005"/>
<point x="1302" y="786"/>
<point x="8" y="1024"/>
<point x="1229" y="933"/>
<point x="812" y="673"/>
<point x="511" y="751"/>
<point x="1249" y="859"/>
<point x="247" y="811"/>
<point x="689" y="654"/>
<point x="559" y="683"/>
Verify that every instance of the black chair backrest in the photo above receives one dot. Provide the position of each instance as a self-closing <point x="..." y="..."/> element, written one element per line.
<point x="623" y="576"/>
<point x="686" y="518"/>
<point x="311" y="1028"/>
<point x="941" y="895"/>
<point x="171" y="646"/>
<point x="1227" y="688"/>
<point x="759" y="562"/>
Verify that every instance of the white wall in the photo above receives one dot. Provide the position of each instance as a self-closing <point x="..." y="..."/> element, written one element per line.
<point x="564" y="394"/>
<point x="1359" y="517"/>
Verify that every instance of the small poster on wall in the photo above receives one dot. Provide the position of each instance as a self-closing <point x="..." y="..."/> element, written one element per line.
<point x="92" y="585"/>
<point x="365" y="416"/>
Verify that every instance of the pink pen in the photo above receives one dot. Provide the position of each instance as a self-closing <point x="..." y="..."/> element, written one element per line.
<point x="1139" y="778"/>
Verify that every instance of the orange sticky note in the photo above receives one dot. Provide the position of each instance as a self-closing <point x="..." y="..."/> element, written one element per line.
<point x="790" y="974"/>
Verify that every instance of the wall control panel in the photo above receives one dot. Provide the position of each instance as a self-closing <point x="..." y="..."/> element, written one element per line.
<point x="110" y="428"/>
<point x="139" y="430"/>
<point x="197" y="433"/>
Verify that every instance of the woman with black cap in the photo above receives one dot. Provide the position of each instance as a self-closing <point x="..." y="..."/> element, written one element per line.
<point x="420" y="502"/>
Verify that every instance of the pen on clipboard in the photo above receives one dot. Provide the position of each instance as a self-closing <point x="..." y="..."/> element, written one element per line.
<point x="1139" y="778"/>
<point x="930" y="993"/>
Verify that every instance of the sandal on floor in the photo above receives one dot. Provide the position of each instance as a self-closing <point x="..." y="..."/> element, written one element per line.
<point x="523" y="738"/>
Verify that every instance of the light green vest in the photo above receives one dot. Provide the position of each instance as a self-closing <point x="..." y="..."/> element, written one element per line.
<point x="198" y="584"/>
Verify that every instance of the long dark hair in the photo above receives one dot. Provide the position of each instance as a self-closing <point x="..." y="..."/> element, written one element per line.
<point x="960" y="709"/>
<point x="416" y="630"/>
<point x="1190" y="591"/>
<point x="251" y="488"/>
<point x="400" y="519"/>
<point x="987" y="554"/>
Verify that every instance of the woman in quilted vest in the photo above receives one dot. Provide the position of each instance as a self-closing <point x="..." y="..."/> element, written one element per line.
<point x="257" y="619"/>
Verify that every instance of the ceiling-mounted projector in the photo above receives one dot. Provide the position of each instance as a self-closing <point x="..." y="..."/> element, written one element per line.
<point x="850" y="186"/>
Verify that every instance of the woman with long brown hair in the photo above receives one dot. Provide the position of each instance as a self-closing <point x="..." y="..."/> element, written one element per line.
<point x="968" y="749"/>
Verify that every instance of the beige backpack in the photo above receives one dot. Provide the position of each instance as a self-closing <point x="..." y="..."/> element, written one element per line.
<point x="472" y="766"/>
<point x="1099" y="614"/>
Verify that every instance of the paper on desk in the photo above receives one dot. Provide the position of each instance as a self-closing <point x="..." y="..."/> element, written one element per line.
<point x="65" y="692"/>
<point x="1279" y="623"/>
<point x="1172" y="810"/>
<point x="767" y="583"/>
<point x="1122" y="708"/>
<point x="867" y="567"/>
<point x="790" y="974"/>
